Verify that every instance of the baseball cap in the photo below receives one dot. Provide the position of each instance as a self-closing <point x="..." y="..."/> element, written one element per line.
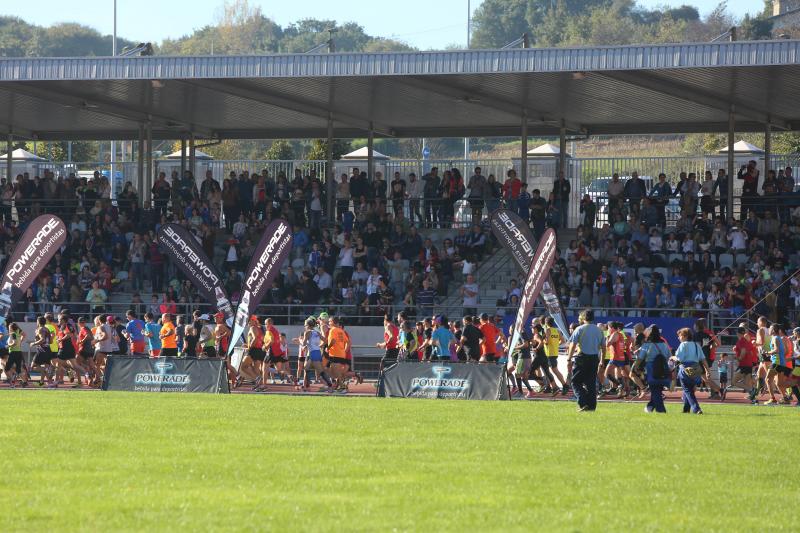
<point x="110" y="318"/>
<point x="254" y="317"/>
<point x="323" y="316"/>
<point x="219" y="315"/>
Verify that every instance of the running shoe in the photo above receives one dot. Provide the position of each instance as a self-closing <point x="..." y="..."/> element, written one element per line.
<point x="530" y="395"/>
<point x="564" y="390"/>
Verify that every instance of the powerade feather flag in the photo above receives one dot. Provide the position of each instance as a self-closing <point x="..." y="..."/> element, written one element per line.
<point x="543" y="260"/>
<point x="184" y="250"/>
<point x="40" y="242"/>
<point x="269" y="255"/>
<point x="515" y="236"/>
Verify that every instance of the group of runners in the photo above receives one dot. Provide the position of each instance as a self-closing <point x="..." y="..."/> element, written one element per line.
<point x="764" y="363"/>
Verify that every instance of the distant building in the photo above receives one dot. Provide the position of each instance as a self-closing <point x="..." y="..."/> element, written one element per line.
<point x="785" y="14"/>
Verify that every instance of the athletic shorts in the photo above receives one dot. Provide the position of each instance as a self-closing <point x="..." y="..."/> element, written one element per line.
<point x="619" y="364"/>
<point x="138" y="347"/>
<point x="604" y="362"/>
<point x="155" y="353"/>
<point x="766" y="358"/>
<point x="785" y="370"/>
<point x="14" y="360"/>
<point x="275" y="359"/>
<point x="256" y="354"/>
<point x="43" y="357"/>
<point x="746" y="370"/>
<point x="391" y="354"/>
<point x="523" y="366"/>
<point x="209" y="351"/>
<point x="316" y="356"/>
<point x="3" y="351"/>
<point x="723" y="377"/>
<point x="66" y="355"/>
<point x="86" y="354"/>
<point x="340" y="361"/>
<point x="489" y="357"/>
<point x="169" y="352"/>
<point x="552" y="361"/>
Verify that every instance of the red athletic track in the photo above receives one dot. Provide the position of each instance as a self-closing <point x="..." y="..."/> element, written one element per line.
<point x="368" y="389"/>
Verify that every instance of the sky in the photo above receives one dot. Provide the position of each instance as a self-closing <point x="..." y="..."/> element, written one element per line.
<point x="425" y="24"/>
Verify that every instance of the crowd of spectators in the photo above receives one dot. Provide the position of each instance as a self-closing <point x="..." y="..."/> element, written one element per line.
<point x="377" y="258"/>
<point x="372" y="261"/>
<point x="702" y="263"/>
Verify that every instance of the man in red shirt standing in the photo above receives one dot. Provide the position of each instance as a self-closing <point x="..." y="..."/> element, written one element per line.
<point x="391" y="335"/>
<point x="747" y="358"/>
<point x="489" y="342"/>
<point x="511" y="188"/>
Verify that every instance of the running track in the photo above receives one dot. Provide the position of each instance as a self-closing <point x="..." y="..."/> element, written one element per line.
<point x="368" y="389"/>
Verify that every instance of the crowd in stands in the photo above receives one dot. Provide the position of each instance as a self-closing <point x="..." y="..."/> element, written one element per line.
<point x="701" y="263"/>
<point x="377" y="258"/>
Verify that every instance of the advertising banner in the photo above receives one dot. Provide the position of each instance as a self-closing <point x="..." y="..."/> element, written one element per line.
<point x="515" y="236"/>
<point x="448" y="381"/>
<point x="165" y="374"/>
<point x="269" y="255"/>
<point x="42" y="239"/>
<point x="187" y="254"/>
<point x="543" y="260"/>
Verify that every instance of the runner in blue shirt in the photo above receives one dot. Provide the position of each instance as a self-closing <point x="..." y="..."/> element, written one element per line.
<point x="152" y="330"/>
<point x="442" y="338"/>
<point x="134" y="332"/>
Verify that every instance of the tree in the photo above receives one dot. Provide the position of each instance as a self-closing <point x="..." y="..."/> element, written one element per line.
<point x="280" y="150"/>
<point x="319" y="149"/>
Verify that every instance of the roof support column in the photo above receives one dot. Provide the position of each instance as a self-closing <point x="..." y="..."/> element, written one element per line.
<point x="183" y="156"/>
<point x="140" y="166"/>
<point x="192" y="155"/>
<point x="370" y="156"/>
<point x="149" y="163"/>
<point x="562" y="170"/>
<point x="731" y="170"/>
<point x="523" y="151"/>
<point x="330" y="178"/>
<point x="9" y="147"/>
<point x="767" y="148"/>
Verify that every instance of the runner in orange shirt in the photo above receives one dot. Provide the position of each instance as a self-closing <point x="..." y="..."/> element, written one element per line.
<point x="169" y="337"/>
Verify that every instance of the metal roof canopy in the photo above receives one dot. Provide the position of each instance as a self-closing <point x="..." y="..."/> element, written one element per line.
<point x="605" y="90"/>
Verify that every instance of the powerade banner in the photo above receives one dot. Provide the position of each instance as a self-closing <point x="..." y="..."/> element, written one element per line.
<point x="515" y="235"/>
<point x="449" y="381"/>
<point x="165" y="374"/>
<point x="40" y="242"/>
<point x="184" y="250"/>
<point x="269" y="255"/>
<point x="539" y="270"/>
<point x="668" y="326"/>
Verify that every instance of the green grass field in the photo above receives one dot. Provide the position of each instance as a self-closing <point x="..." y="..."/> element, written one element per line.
<point x="147" y="462"/>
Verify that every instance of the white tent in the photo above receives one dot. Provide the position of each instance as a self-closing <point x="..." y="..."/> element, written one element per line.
<point x="197" y="155"/>
<point x="363" y="154"/>
<point x="743" y="147"/>
<point x="545" y="150"/>
<point x="23" y="161"/>
<point x="20" y="154"/>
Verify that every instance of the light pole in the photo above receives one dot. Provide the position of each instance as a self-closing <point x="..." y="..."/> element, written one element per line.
<point x="113" y="143"/>
<point x="469" y="21"/>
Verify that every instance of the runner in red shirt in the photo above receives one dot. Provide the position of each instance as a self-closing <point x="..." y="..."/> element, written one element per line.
<point x="489" y="341"/>
<point x="391" y="336"/>
<point x="746" y="356"/>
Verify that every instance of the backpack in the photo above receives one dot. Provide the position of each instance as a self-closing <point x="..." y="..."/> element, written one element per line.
<point x="661" y="368"/>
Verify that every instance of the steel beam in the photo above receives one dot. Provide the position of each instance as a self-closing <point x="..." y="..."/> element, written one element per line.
<point x="295" y="104"/>
<point x="687" y="93"/>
